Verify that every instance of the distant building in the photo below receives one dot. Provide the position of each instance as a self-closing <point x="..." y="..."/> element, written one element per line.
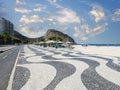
<point x="6" y="26"/>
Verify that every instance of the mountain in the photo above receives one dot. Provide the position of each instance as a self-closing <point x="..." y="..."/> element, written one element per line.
<point x="20" y="36"/>
<point x="53" y="34"/>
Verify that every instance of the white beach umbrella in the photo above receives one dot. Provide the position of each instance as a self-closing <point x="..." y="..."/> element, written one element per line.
<point x="50" y="41"/>
<point x="60" y="42"/>
<point x="41" y="42"/>
<point x="68" y="42"/>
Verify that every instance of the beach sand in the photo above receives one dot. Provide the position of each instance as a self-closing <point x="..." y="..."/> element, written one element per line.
<point x="101" y="50"/>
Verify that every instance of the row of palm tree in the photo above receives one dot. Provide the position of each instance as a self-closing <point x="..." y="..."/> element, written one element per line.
<point x="6" y="39"/>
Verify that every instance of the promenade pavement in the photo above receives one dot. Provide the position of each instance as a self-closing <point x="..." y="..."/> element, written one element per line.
<point x="41" y="68"/>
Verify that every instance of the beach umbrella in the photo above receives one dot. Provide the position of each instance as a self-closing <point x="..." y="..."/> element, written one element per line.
<point x="60" y="42"/>
<point x="50" y="41"/>
<point x="68" y="42"/>
<point x="41" y="42"/>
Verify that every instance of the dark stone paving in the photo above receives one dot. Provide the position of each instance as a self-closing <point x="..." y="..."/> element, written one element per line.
<point x="22" y="60"/>
<point x="66" y="51"/>
<point x="36" y="51"/>
<point x="113" y="66"/>
<point x="54" y="52"/>
<point x="63" y="70"/>
<point x="79" y="53"/>
<point x="21" y="77"/>
<point x="68" y="55"/>
<point x="49" y="57"/>
<point x="90" y="78"/>
<point x="110" y="63"/>
<point x="93" y="81"/>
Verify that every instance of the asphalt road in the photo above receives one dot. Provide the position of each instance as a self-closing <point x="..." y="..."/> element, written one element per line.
<point x="6" y="47"/>
<point x="7" y="60"/>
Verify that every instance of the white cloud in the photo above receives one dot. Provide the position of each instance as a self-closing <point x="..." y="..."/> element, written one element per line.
<point x="35" y="18"/>
<point x="116" y="15"/>
<point x="60" y="20"/>
<point x="66" y="16"/>
<point x="52" y="1"/>
<point x="117" y="12"/>
<point x="20" y="7"/>
<point x="29" y="31"/>
<point x="97" y="30"/>
<point x="84" y="38"/>
<point x="84" y="31"/>
<point x="39" y="8"/>
<point x="98" y="13"/>
<point x="22" y="10"/>
<point x="32" y="19"/>
<point x="50" y="19"/>
<point x="20" y="2"/>
<point x="78" y="32"/>
<point x="24" y="19"/>
<point x="58" y="17"/>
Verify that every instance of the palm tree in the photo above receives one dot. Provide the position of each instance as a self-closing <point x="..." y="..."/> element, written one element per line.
<point x="6" y="38"/>
<point x="1" y="39"/>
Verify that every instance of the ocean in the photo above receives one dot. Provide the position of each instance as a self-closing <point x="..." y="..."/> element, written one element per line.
<point x="103" y="44"/>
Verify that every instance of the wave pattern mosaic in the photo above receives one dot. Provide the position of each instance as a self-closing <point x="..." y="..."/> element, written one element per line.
<point x="64" y="69"/>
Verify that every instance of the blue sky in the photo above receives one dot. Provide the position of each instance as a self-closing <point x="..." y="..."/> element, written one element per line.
<point x="90" y="21"/>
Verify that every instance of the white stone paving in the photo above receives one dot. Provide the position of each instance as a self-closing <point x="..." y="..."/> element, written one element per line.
<point x="115" y="59"/>
<point x="102" y="69"/>
<point x="105" y="71"/>
<point x="42" y="74"/>
<point x="36" y="59"/>
<point x="74" y="81"/>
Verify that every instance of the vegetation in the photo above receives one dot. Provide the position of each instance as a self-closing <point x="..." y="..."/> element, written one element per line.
<point x="59" y="39"/>
<point x="56" y="38"/>
<point x="53" y="34"/>
<point x="41" y="38"/>
<point x="6" y="39"/>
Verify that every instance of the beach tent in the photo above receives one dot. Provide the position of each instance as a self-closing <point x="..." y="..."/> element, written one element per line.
<point x="60" y="42"/>
<point x="42" y="43"/>
<point x="68" y="42"/>
<point x="50" y="43"/>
